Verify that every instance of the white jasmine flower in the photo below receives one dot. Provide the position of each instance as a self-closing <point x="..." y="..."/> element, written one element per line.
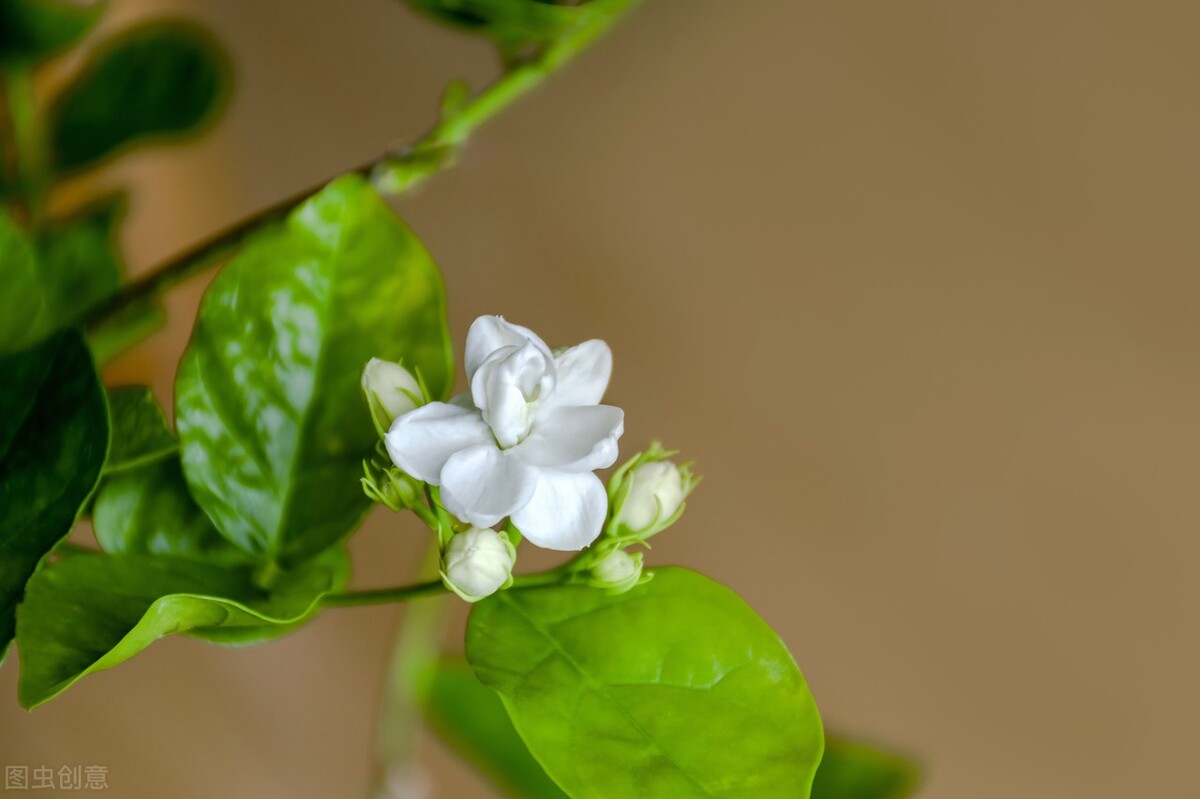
<point x="477" y="562"/>
<point x="525" y="441"/>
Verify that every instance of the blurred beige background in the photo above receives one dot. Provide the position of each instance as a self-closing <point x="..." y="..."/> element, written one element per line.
<point x="914" y="283"/>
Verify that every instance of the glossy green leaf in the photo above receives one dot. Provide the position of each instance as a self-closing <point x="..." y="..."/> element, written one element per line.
<point x="140" y="434"/>
<point x="676" y="688"/>
<point x="161" y="79"/>
<point x="470" y="717"/>
<point x="22" y="301"/>
<point x="53" y="441"/>
<point x="268" y="408"/>
<point x="79" y="265"/>
<point x="302" y="586"/>
<point x="851" y="770"/>
<point x="88" y="613"/>
<point x="148" y="511"/>
<point x="34" y="29"/>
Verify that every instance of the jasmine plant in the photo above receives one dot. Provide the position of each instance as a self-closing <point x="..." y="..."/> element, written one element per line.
<point x="316" y="386"/>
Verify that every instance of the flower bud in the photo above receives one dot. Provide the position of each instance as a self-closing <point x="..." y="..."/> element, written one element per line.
<point x="478" y="562"/>
<point x="390" y="390"/>
<point x="390" y="486"/>
<point x="618" y="571"/>
<point x="656" y="490"/>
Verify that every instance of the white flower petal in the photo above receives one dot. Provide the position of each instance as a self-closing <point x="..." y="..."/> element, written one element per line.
<point x="573" y="439"/>
<point x="421" y="441"/>
<point x="583" y="374"/>
<point x="509" y="386"/>
<point x="490" y="333"/>
<point x="482" y="485"/>
<point x="566" y="511"/>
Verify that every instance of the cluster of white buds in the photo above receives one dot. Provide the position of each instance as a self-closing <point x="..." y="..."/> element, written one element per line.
<point x="390" y="390"/>
<point x="646" y="496"/>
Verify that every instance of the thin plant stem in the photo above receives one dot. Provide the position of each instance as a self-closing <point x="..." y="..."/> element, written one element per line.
<point x="26" y="136"/>
<point x="395" y="172"/>
<point x="404" y="593"/>
<point x="415" y="650"/>
<point x="384" y="596"/>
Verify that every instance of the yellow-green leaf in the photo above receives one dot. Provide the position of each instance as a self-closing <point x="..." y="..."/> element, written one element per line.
<point x="676" y="688"/>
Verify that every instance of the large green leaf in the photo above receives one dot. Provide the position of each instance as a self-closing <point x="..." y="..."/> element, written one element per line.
<point x="53" y="441"/>
<point x="851" y="770"/>
<point x="139" y="429"/>
<point x="88" y="613"/>
<point x="676" y="688"/>
<point x="268" y="409"/>
<point x="470" y="717"/>
<point x="22" y="301"/>
<point x="34" y="29"/>
<point x="160" y="79"/>
<point x="148" y="511"/>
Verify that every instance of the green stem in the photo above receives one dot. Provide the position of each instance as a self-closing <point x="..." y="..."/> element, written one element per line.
<point x="396" y="172"/>
<point x="403" y="593"/>
<point x="9" y="176"/>
<point x="26" y="141"/>
<point x="552" y="577"/>
<point x="415" y="651"/>
<point x="384" y="596"/>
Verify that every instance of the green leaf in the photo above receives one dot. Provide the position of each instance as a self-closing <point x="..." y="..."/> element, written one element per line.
<point x="851" y="770"/>
<point x="302" y="586"/>
<point x="470" y="717"/>
<point x="270" y="417"/>
<point x="53" y="441"/>
<point x="52" y="281"/>
<point x="508" y="21"/>
<point x="34" y="29"/>
<point x="161" y="79"/>
<point x="148" y="511"/>
<point x="140" y="434"/>
<point x="676" y="688"/>
<point x="88" y="613"/>
<point x="79" y="265"/>
<point x="22" y="301"/>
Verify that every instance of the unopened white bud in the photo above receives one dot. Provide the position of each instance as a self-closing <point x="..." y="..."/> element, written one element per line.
<point x="390" y="390"/>
<point x="618" y="571"/>
<point x="656" y="490"/>
<point x="477" y="562"/>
